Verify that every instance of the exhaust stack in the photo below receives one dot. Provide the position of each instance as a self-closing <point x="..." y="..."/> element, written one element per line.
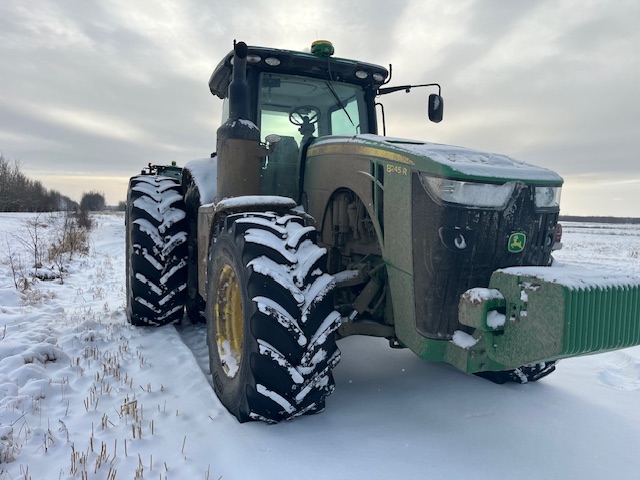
<point x="239" y="88"/>
<point x="239" y="149"/>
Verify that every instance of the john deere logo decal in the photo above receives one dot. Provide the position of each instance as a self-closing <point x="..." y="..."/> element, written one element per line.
<point x="517" y="242"/>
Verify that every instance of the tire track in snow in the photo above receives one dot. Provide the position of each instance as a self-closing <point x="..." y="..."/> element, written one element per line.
<point x="194" y="337"/>
<point x="620" y="371"/>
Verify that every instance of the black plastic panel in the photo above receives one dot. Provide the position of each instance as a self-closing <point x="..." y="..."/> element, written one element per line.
<point x="456" y="248"/>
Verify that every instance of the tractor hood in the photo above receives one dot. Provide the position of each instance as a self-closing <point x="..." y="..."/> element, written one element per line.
<point x="440" y="160"/>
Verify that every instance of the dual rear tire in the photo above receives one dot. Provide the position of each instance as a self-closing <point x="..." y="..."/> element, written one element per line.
<point x="156" y="251"/>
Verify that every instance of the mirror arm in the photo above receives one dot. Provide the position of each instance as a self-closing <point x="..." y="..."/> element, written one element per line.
<point x="407" y="88"/>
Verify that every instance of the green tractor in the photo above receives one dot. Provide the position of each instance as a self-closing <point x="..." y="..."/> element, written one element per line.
<point x="306" y="226"/>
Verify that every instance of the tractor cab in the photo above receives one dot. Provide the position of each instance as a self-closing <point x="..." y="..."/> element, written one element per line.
<point x="296" y="97"/>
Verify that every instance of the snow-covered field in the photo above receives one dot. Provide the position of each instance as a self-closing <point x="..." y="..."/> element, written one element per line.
<point x="85" y="395"/>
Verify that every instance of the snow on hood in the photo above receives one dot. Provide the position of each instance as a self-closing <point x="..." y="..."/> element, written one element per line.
<point x="464" y="160"/>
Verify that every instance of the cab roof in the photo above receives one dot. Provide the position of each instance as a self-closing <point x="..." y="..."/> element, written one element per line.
<point x="299" y="63"/>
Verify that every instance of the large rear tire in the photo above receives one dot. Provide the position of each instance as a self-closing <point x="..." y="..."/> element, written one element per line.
<point x="270" y="318"/>
<point x="156" y="251"/>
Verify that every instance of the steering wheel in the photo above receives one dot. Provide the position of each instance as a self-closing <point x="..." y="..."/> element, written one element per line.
<point x="304" y="115"/>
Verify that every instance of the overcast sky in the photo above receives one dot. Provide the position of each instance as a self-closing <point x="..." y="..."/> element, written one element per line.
<point x="91" y="91"/>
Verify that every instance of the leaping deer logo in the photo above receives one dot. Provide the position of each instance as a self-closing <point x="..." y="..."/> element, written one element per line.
<point x="517" y="242"/>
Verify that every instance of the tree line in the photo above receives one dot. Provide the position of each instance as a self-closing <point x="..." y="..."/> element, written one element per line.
<point x="599" y="219"/>
<point x="18" y="193"/>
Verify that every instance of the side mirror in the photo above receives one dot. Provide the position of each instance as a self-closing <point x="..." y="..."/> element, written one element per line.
<point x="436" y="108"/>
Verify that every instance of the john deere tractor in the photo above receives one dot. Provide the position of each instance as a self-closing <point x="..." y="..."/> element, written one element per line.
<point x="307" y="226"/>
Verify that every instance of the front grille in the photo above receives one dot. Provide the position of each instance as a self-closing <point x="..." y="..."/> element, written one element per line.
<point x="456" y="248"/>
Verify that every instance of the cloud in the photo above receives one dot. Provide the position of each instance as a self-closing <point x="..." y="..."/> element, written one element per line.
<point x="104" y="87"/>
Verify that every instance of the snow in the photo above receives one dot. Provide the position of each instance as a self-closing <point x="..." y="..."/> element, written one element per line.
<point x="479" y="295"/>
<point x="229" y="358"/>
<point x="496" y="319"/>
<point x="463" y="340"/>
<point x="577" y="276"/>
<point x="78" y="384"/>
<point x="269" y="268"/>
<point x="345" y="276"/>
<point x="247" y="123"/>
<point x="269" y="307"/>
<point x="473" y="162"/>
<point x="205" y="174"/>
<point x="460" y="159"/>
<point x="249" y="200"/>
<point x="159" y="205"/>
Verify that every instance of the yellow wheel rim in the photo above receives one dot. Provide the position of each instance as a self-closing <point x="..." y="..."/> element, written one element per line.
<point x="229" y="320"/>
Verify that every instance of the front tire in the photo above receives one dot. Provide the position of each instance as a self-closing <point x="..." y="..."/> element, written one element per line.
<point x="156" y="251"/>
<point x="270" y="319"/>
<point x="524" y="374"/>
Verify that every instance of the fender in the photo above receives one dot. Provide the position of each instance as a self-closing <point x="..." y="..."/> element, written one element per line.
<point x="210" y="216"/>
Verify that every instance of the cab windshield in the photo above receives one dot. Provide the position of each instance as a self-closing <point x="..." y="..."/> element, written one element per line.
<point x="298" y="109"/>
<point x="331" y="108"/>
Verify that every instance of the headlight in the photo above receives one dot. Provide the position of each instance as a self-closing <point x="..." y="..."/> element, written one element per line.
<point x="547" y="197"/>
<point x="472" y="194"/>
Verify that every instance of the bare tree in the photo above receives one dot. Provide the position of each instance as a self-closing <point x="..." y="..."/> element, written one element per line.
<point x="93" y="201"/>
<point x="21" y="194"/>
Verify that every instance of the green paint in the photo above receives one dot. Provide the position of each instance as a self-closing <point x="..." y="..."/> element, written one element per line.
<point x="517" y="241"/>
<point x="546" y="320"/>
